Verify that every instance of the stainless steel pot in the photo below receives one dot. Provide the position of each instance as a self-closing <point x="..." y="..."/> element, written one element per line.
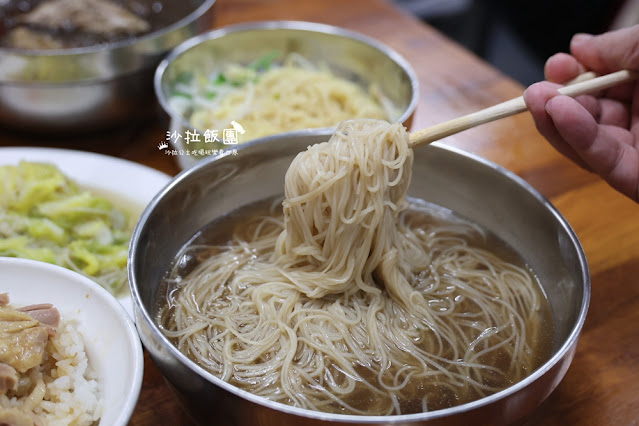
<point x="347" y="54"/>
<point x="74" y="90"/>
<point x="469" y="185"/>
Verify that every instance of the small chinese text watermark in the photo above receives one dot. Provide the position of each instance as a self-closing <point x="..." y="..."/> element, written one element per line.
<point x="228" y="136"/>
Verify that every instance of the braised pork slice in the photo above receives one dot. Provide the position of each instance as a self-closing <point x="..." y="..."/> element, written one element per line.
<point x="94" y="16"/>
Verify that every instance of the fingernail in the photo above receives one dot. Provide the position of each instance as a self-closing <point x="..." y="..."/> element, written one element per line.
<point x="548" y="110"/>
<point x="580" y="38"/>
<point x="549" y="106"/>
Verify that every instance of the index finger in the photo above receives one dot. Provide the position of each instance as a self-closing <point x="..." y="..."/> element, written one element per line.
<point x="608" y="52"/>
<point x="562" y="67"/>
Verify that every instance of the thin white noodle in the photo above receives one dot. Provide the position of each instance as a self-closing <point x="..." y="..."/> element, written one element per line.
<point x="288" y="97"/>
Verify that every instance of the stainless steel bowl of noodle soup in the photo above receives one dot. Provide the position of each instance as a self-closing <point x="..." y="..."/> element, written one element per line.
<point x="273" y="77"/>
<point x="69" y="66"/>
<point x="230" y="309"/>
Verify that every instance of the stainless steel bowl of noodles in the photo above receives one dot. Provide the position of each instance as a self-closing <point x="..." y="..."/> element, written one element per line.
<point x="366" y="296"/>
<point x="264" y="78"/>
<point x="72" y="66"/>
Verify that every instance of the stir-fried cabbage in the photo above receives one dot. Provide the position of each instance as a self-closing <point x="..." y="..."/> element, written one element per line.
<point x="46" y="216"/>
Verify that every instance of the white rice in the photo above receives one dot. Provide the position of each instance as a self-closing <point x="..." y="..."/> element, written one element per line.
<point x="68" y="391"/>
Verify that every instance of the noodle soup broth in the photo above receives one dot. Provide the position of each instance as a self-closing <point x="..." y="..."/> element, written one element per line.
<point x="487" y="324"/>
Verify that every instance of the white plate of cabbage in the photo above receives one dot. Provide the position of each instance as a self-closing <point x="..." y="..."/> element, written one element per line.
<point x="75" y="209"/>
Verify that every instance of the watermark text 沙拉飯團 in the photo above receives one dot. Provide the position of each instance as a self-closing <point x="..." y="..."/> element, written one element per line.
<point x="186" y="142"/>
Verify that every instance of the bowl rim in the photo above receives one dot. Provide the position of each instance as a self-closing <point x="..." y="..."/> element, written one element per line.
<point x="104" y="47"/>
<point x="311" y="27"/>
<point x="132" y="337"/>
<point x="557" y="356"/>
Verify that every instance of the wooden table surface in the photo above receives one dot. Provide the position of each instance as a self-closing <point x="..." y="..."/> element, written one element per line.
<point x="602" y="385"/>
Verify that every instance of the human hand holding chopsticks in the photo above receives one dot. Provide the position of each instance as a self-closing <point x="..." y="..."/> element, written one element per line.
<point x="600" y="133"/>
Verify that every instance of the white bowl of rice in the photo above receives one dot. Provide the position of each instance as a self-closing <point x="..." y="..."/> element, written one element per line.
<point x="92" y="361"/>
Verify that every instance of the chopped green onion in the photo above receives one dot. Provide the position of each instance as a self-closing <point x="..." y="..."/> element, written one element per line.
<point x="265" y="62"/>
<point x="221" y="79"/>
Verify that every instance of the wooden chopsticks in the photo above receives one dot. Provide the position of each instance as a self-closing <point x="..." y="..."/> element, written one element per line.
<point x="514" y="106"/>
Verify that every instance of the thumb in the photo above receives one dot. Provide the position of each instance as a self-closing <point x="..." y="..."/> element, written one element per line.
<point x="608" y="52"/>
